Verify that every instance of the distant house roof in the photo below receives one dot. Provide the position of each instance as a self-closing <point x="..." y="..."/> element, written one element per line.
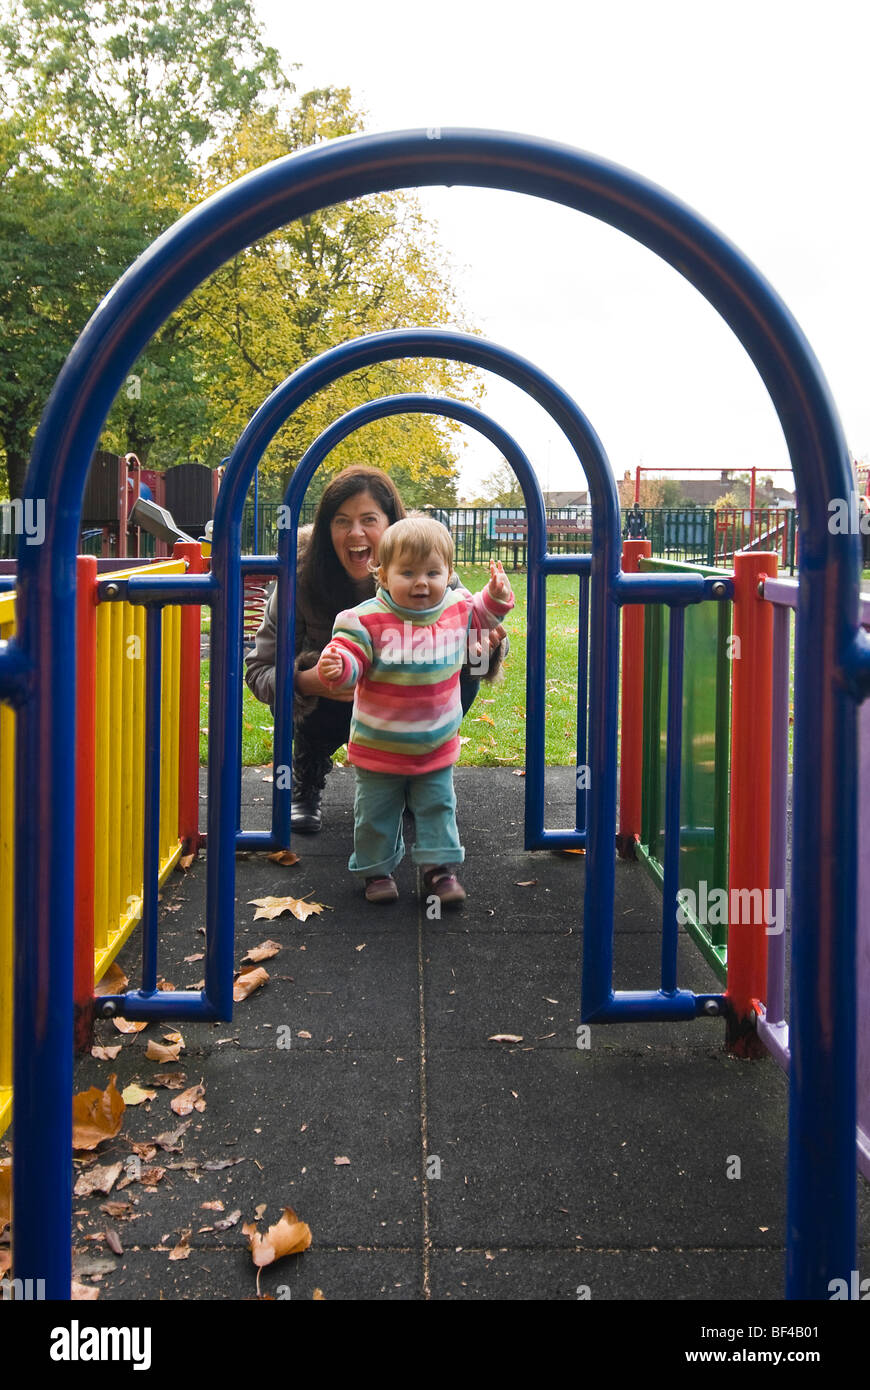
<point x="705" y="492"/>
<point x="566" y="499"/>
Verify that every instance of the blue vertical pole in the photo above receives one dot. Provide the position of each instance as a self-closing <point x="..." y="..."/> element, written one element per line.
<point x="151" y="848"/>
<point x="582" y="694"/>
<point x="673" y="769"/>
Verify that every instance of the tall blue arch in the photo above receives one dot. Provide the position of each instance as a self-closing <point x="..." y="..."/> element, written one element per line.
<point x="832" y="664"/>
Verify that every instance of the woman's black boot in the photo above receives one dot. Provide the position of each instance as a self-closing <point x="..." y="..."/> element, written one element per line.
<point x="309" y="779"/>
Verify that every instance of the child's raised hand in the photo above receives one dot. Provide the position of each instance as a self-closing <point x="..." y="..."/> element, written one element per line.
<point x="330" y="665"/>
<point x="499" y="584"/>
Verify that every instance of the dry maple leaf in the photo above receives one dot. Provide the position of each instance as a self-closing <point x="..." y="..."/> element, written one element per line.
<point x="246" y="983"/>
<point x="162" y="1052"/>
<point x="98" y="1179"/>
<point x="114" y="981"/>
<point x="126" y="1025"/>
<point x="105" y="1054"/>
<point x="191" y="1099"/>
<point x="135" y="1095"/>
<point x="264" y="951"/>
<point x="97" y="1115"/>
<point x="286" y="857"/>
<point x="273" y="907"/>
<point x="289" y="1236"/>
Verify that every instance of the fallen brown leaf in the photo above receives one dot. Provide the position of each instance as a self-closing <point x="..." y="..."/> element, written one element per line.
<point x="97" y="1115"/>
<point x="525" y="883"/>
<point x="165" y="986"/>
<point x="173" y="1038"/>
<point x="191" y="1099"/>
<point x="246" y="984"/>
<point x="83" y="1293"/>
<point x="5" y="1261"/>
<point x="227" y="1221"/>
<point x="273" y="907"/>
<point x="284" y="856"/>
<point x="505" y="1037"/>
<point x="105" y="1054"/>
<point x="98" y="1179"/>
<point x="169" y="1139"/>
<point x="145" y="1149"/>
<point x="172" y="1080"/>
<point x="117" y="1210"/>
<point x="212" y="1206"/>
<point x="289" y="1236"/>
<point x="160" y="1052"/>
<point x="113" y="1240"/>
<point x="181" y="1251"/>
<point x="318" y="1293"/>
<point x="126" y="1025"/>
<point x="185" y="862"/>
<point x="135" y="1095"/>
<point x="264" y="951"/>
<point x="113" y="982"/>
<point x="340" y="1162"/>
<point x="197" y="955"/>
<point x="152" y="1176"/>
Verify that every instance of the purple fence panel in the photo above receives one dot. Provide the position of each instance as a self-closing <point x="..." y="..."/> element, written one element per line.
<point x="864" y="940"/>
<point x="772" y="1025"/>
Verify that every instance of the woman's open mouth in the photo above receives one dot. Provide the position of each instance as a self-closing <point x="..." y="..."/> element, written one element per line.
<point x="359" y="554"/>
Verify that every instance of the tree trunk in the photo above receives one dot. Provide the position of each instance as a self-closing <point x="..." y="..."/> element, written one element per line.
<point x="16" y="468"/>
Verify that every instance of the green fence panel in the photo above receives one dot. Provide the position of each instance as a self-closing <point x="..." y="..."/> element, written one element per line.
<point x="703" y="860"/>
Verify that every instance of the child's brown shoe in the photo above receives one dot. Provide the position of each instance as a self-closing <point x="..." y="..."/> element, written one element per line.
<point x="382" y="890"/>
<point x="445" y="885"/>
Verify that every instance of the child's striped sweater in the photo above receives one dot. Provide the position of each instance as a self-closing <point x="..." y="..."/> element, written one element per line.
<point x="405" y="665"/>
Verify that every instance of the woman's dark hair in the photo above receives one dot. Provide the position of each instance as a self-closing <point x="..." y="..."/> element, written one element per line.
<point x="321" y="574"/>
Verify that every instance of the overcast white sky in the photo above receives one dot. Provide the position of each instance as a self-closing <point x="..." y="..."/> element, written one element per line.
<point x="756" y="113"/>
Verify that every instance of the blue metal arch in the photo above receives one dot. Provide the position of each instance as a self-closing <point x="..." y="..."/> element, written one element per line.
<point x="314" y="376"/>
<point x="833" y="658"/>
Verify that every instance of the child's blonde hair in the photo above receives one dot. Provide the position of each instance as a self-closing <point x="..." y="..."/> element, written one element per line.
<point x="414" y="538"/>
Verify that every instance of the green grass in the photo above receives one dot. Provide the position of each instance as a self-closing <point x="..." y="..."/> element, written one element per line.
<point x="495" y="726"/>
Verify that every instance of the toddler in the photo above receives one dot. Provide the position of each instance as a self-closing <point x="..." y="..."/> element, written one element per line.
<point x="403" y="650"/>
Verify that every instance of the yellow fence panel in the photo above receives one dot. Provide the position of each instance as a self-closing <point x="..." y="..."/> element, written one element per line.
<point x="119" y="787"/>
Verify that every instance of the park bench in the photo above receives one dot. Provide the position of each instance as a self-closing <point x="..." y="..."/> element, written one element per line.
<point x="561" y="532"/>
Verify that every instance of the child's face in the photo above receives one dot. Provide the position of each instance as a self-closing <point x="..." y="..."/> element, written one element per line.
<point x="416" y="583"/>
